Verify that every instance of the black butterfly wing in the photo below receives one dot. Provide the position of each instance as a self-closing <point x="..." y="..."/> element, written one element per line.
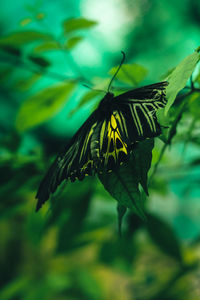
<point x="74" y="162"/>
<point x="150" y="92"/>
<point x="135" y="112"/>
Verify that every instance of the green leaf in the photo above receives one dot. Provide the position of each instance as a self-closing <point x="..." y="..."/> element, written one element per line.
<point x="20" y="38"/>
<point x="143" y="157"/>
<point x="179" y="77"/>
<point x="11" y="50"/>
<point x="72" y="25"/>
<point x="164" y="236"/>
<point x="123" y="184"/>
<point x="43" y="105"/>
<point x="39" y="61"/>
<point x="47" y="46"/>
<point x="131" y="74"/>
<point x="73" y="42"/>
<point x="163" y="120"/>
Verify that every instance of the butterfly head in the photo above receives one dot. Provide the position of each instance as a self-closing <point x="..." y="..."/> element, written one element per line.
<point x="104" y="105"/>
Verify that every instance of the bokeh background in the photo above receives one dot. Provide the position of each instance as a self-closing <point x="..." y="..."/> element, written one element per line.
<point x="72" y="250"/>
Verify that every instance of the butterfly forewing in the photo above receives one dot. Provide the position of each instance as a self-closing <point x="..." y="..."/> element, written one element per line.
<point x="135" y="112"/>
<point x="147" y="92"/>
<point x="74" y="162"/>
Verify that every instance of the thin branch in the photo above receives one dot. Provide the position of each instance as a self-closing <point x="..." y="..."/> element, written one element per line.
<point x="19" y="63"/>
<point x="66" y="52"/>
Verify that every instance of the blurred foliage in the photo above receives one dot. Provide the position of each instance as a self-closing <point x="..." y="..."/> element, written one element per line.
<point x="71" y="248"/>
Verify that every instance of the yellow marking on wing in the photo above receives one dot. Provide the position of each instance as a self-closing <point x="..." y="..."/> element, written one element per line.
<point x="122" y="121"/>
<point x="113" y="122"/>
<point x="148" y="116"/>
<point x="135" y="119"/>
<point x="102" y="132"/>
<point x="114" y="134"/>
<point x="86" y="164"/>
<point x="138" y="121"/>
<point x="86" y="140"/>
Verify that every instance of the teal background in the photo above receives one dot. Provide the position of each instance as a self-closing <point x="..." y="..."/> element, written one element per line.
<point x="157" y="35"/>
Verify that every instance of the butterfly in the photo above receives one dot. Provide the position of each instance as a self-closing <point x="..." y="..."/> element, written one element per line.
<point x="107" y="137"/>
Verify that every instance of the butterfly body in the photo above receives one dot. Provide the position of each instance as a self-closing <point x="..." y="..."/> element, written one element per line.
<point x="105" y="105"/>
<point x="106" y="138"/>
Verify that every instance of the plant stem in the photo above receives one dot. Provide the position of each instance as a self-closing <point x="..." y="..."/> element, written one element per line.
<point x="172" y="132"/>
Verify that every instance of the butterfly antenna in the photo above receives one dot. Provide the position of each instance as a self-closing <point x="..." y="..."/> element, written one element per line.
<point x="121" y="63"/>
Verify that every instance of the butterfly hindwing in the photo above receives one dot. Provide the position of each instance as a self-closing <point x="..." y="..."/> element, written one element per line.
<point x="110" y="149"/>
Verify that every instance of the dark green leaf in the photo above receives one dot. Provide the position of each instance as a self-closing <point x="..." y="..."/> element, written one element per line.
<point x="131" y="74"/>
<point x="123" y="184"/>
<point x="179" y="77"/>
<point x="71" y="25"/>
<point x="11" y="50"/>
<point x="43" y="105"/>
<point x="40" y="61"/>
<point x="143" y="157"/>
<point x="195" y="162"/>
<point x="164" y="237"/>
